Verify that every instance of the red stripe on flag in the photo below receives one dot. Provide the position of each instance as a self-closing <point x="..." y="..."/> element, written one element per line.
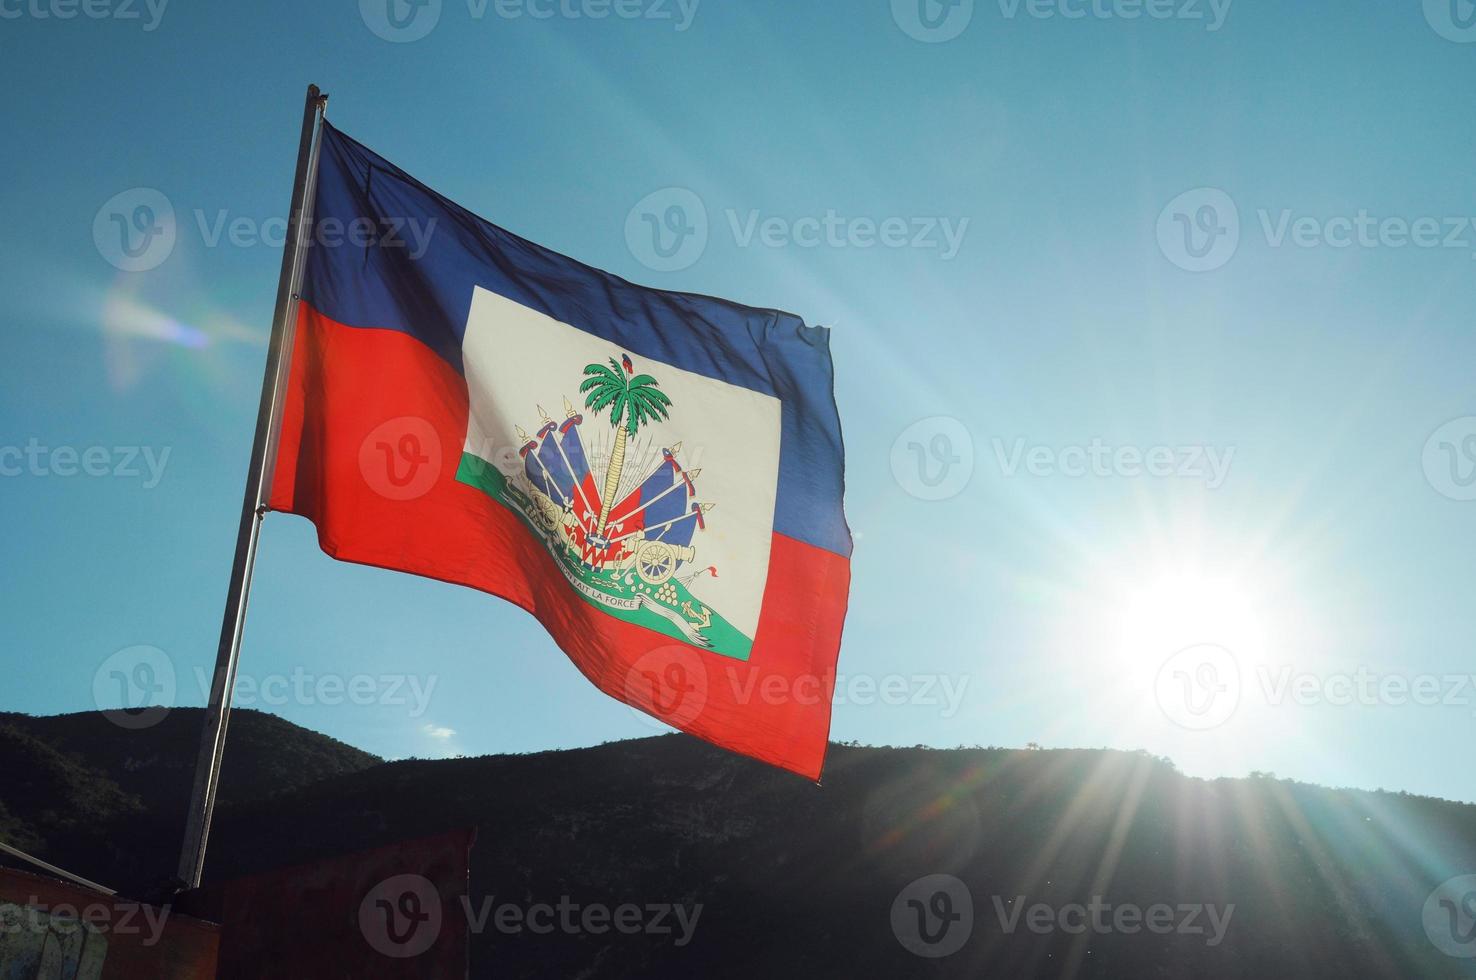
<point x="372" y="436"/>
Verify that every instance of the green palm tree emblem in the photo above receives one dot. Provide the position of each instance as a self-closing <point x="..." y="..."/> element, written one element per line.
<point x="633" y="401"/>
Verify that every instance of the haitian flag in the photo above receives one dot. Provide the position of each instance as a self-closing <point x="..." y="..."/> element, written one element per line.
<point x="656" y="476"/>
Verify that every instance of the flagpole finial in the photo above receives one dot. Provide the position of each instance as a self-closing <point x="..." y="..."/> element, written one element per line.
<point x="569" y="412"/>
<point x="543" y="416"/>
<point x="522" y="436"/>
<point x="676" y="448"/>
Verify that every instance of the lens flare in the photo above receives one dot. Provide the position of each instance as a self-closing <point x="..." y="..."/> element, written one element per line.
<point x="125" y="317"/>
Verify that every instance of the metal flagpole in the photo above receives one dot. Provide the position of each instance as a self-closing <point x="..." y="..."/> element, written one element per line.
<point x="279" y="353"/>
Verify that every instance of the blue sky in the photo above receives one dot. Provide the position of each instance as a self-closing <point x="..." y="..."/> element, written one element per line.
<point x="1176" y="460"/>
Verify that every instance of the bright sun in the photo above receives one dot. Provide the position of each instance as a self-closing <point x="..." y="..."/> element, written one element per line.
<point x="1178" y="609"/>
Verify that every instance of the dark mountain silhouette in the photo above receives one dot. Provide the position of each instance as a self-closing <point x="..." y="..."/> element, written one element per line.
<point x="98" y="796"/>
<point x="157" y="763"/>
<point x="794" y="879"/>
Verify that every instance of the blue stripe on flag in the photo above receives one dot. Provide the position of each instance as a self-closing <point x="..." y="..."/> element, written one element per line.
<point x="428" y="296"/>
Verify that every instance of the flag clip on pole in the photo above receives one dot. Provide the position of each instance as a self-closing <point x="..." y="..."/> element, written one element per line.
<point x="268" y="418"/>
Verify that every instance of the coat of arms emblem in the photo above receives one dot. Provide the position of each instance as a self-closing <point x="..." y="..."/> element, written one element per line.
<point x="616" y="507"/>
